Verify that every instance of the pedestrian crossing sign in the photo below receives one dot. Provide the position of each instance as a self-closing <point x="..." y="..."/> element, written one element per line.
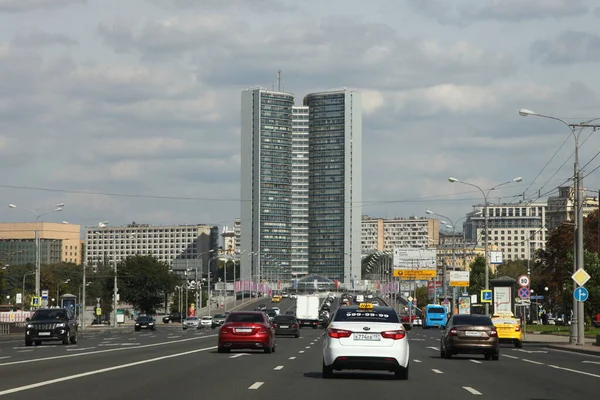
<point x="35" y="301"/>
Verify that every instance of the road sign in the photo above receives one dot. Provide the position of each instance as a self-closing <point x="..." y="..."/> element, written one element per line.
<point x="537" y="297"/>
<point x="445" y="301"/>
<point x="98" y="311"/>
<point x="410" y="298"/>
<point x="521" y="302"/>
<point x="581" y="294"/>
<point x="35" y="301"/>
<point x="459" y="278"/>
<point x="409" y="304"/>
<point x="524" y="280"/>
<point x="486" y="296"/>
<point x="44" y="294"/>
<point x="524" y="293"/>
<point x="415" y="274"/>
<point x="580" y="277"/>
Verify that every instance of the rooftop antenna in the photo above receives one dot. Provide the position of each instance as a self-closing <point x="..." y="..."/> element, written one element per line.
<point x="279" y="80"/>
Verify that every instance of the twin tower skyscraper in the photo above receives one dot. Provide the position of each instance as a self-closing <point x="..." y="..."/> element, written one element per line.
<point x="301" y="185"/>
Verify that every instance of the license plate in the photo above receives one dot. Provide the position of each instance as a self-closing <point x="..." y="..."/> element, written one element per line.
<point x="44" y="333"/>
<point x="243" y="330"/>
<point x="367" y="336"/>
<point x="284" y="326"/>
<point x="473" y="333"/>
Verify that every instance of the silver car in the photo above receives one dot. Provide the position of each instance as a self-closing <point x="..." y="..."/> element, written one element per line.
<point x="191" y="322"/>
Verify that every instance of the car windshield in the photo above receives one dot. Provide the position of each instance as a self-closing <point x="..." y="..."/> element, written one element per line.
<point x="41" y="315"/>
<point x="283" y="319"/>
<point x="144" y="319"/>
<point x="206" y="318"/>
<point x="245" y="317"/>
<point x="374" y="315"/>
<point x="220" y="316"/>
<point x="477" y="320"/>
<point x="192" y="318"/>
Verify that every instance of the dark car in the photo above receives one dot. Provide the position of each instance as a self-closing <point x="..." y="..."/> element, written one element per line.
<point x="261" y="307"/>
<point x="470" y="334"/>
<point x="290" y="312"/>
<point x="218" y="320"/>
<point x="286" y="325"/>
<point x="175" y="317"/>
<point x="51" y="324"/>
<point x="145" y="322"/>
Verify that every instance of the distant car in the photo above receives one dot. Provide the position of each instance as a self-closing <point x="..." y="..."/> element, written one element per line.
<point x="247" y="330"/>
<point x="470" y="334"/>
<point x="293" y="296"/>
<point x="174" y="317"/>
<point x="145" y="322"/>
<point x="218" y="320"/>
<point x="509" y="329"/>
<point x="206" y="322"/>
<point x="191" y="322"/>
<point x="51" y="324"/>
<point x="276" y="309"/>
<point x="271" y="314"/>
<point x="286" y="325"/>
<point x="261" y="307"/>
<point x="275" y="299"/>
<point x="290" y="312"/>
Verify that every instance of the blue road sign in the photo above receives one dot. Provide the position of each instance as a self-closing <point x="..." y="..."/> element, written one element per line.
<point x="410" y="304"/>
<point x="524" y="293"/>
<point x="486" y="295"/>
<point x="581" y="294"/>
<point x="537" y="297"/>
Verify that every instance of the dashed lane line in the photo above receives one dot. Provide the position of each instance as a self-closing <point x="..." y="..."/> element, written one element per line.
<point x="437" y="371"/>
<point x="301" y="351"/>
<point x="292" y="358"/>
<point x="256" y="385"/>
<point x="417" y="361"/>
<point x="476" y="361"/>
<point x="4" y="358"/>
<point x="472" y="391"/>
<point x="533" y="362"/>
<point x="279" y="367"/>
<point x="80" y="348"/>
<point x="507" y="356"/>
<point x="24" y="351"/>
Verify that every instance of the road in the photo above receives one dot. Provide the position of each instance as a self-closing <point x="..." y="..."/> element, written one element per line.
<point x="170" y="362"/>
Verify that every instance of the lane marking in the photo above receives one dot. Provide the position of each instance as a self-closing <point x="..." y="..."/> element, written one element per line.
<point x="513" y="357"/>
<point x="129" y="344"/>
<point x="173" y="337"/>
<point x="279" y="367"/>
<point x="101" y="351"/>
<point x="417" y="361"/>
<point x="24" y="351"/>
<point x="307" y="347"/>
<point x="533" y="362"/>
<point x="2" y="358"/>
<point x="301" y="351"/>
<point x="239" y="355"/>
<point x="531" y="351"/>
<point x="472" y="391"/>
<point x="292" y="358"/>
<point x="256" y="385"/>
<point x="434" y="348"/>
<point x="108" y="344"/>
<point x="575" y="371"/>
<point x="476" y="361"/>
<point x="100" y="371"/>
<point x="416" y="340"/>
<point x="591" y="362"/>
<point x="437" y="371"/>
<point x="80" y="348"/>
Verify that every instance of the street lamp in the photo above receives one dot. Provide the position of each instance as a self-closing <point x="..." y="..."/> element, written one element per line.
<point x="485" y="211"/>
<point x="577" y="334"/>
<point x="38" y="214"/>
<point x="104" y="224"/>
<point x="58" y="289"/>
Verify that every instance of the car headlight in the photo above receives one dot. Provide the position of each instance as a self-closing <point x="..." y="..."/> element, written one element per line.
<point x="29" y="326"/>
<point x="151" y="323"/>
<point x="61" y="325"/>
<point x="137" y="324"/>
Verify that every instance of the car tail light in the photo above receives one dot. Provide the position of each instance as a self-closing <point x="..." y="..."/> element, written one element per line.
<point x="294" y="326"/>
<point x="339" y="333"/>
<point x="395" y="335"/>
<point x="453" y="332"/>
<point x="225" y="329"/>
<point x="517" y="328"/>
<point x="493" y="333"/>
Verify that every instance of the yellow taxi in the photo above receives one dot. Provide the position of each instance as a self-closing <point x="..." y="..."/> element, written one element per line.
<point x="275" y="299"/>
<point x="509" y="329"/>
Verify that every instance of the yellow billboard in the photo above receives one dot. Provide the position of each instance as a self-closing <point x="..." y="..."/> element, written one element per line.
<point x="417" y="274"/>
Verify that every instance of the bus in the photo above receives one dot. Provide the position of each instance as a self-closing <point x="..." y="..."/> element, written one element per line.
<point x="434" y="315"/>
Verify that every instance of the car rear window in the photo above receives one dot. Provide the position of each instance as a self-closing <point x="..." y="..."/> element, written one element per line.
<point x="436" y="310"/>
<point x="472" y="320"/>
<point x="284" y="319"/>
<point x="241" y="317"/>
<point x="356" y="315"/>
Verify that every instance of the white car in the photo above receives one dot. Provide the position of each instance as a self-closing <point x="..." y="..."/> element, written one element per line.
<point x="191" y="322"/>
<point x="206" y="322"/>
<point x="276" y="309"/>
<point x="366" y="337"/>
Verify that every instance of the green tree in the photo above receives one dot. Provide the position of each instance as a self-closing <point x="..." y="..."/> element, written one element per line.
<point x="422" y="295"/>
<point x="144" y="282"/>
<point x="512" y="268"/>
<point x="477" y="276"/>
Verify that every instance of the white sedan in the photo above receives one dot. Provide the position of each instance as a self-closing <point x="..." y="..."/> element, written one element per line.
<point x="206" y="322"/>
<point x="366" y="337"/>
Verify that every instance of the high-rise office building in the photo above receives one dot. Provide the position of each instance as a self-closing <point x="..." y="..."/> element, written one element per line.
<point x="301" y="185"/>
<point x="335" y="190"/>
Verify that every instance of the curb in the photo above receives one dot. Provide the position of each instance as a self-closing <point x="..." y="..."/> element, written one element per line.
<point x="582" y="350"/>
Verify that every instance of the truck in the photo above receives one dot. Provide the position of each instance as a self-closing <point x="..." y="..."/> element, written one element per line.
<point x="307" y="311"/>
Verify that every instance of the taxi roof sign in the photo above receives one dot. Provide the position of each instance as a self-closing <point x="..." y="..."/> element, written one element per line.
<point x="365" y="306"/>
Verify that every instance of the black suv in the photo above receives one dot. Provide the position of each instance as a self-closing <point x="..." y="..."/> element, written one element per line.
<point x="51" y="324"/>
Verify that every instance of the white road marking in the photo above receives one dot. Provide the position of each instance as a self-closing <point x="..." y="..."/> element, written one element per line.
<point x="129" y="344"/>
<point x="256" y="385"/>
<point x="513" y="357"/>
<point x="416" y="340"/>
<point x="434" y="348"/>
<point x="279" y="367"/>
<point x="173" y="337"/>
<point x="24" y="351"/>
<point x="531" y="351"/>
<point x="574" y="370"/>
<point x="2" y="358"/>
<point x="292" y="358"/>
<point x="533" y="362"/>
<point x="301" y="351"/>
<point x="109" y="338"/>
<point x="591" y="362"/>
<point x="476" y="361"/>
<point x="101" y="351"/>
<point x="80" y="348"/>
<point x="239" y="355"/>
<point x="307" y="347"/>
<point x="417" y="361"/>
<point x="100" y="371"/>
<point x="472" y="391"/>
<point x="108" y="344"/>
<point x="437" y="371"/>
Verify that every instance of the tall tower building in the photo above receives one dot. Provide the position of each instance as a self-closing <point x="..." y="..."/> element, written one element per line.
<point x="266" y="183"/>
<point x="300" y="183"/>
<point x="335" y="188"/>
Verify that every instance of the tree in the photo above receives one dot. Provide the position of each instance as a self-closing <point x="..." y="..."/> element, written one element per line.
<point x="144" y="282"/>
<point x="512" y="268"/>
<point x="477" y="276"/>
<point x="422" y="295"/>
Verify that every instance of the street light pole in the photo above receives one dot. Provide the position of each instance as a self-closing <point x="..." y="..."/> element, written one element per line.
<point x="485" y="224"/>
<point x="577" y="333"/>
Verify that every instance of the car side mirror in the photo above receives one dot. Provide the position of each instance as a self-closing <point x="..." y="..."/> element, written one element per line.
<point x="407" y="327"/>
<point x="27" y="319"/>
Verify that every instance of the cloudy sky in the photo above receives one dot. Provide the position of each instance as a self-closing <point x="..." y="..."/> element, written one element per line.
<point x="128" y="110"/>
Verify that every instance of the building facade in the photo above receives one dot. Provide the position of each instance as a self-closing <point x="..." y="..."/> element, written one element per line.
<point x="300" y="192"/>
<point x="183" y="247"/>
<point x="237" y="224"/>
<point x="335" y="188"/>
<point x="381" y="234"/>
<point x="561" y="208"/>
<point x="228" y="241"/>
<point x="58" y="243"/>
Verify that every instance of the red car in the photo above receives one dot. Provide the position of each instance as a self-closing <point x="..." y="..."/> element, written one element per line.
<point x="247" y="330"/>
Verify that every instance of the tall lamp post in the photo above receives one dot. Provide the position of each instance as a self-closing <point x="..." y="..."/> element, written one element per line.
<point x="38" y="214"/>
<point x="104" y="224"/>
<point x="485" y="212"/>
<point x="577" y="333"/>
<point x="208" y="298"/>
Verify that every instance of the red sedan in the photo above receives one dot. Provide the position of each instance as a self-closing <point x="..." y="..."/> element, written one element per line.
<point x="247" y="330"/>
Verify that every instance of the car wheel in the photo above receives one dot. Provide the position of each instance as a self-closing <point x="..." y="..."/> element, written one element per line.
<point x="495" y="357"/>
<point x="38" y="342"/>
<point x="67" y="337"/>
<point x="487" y="356"/>
<point x="74" y="338"/>
<point x="184" y="328"/>
<point x="222" y="349"/>
<point x="401" y="373"/>
<point x="28" y="343"/>
<point x="327" y="371"/>
<point x="137" y="329"/>
<point x="442" y="352"/>
<point x="268" y="350"/>
<point x="518" y="344"/>
<point x="447" y="353"/>
<point x="297" y="335"/>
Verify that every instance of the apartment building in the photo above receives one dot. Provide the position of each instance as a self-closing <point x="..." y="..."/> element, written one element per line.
<point x="561" y="208"/>
<point x="228" y="241"/>
<point x="382" y="234"/>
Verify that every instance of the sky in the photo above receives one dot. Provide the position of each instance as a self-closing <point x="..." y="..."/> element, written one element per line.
<point x="129" y="110"/>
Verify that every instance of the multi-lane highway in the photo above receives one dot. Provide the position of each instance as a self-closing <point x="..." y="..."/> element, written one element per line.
<point x="121" y="364"/>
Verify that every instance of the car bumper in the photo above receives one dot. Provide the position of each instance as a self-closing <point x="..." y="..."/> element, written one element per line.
<point x="33" y="336"/>
<point x="244" y="342"/>
<point x="474" y="346"/>
<point x="375" y="358"/>
<point x="283" y="331"/>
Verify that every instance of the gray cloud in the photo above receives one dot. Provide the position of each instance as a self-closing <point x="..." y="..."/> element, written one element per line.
<point x="568" y="47"/>
<point x="15" y="6"/>
<point x="262" y="6"/>
<point x="466" y="12"/>
<point x="39" y="38"/>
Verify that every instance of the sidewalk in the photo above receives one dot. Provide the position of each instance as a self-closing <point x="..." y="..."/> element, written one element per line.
<point x="561" y="342"/>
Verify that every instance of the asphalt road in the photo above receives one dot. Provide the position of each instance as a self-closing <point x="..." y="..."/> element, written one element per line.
<point x="172" y="362"/>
